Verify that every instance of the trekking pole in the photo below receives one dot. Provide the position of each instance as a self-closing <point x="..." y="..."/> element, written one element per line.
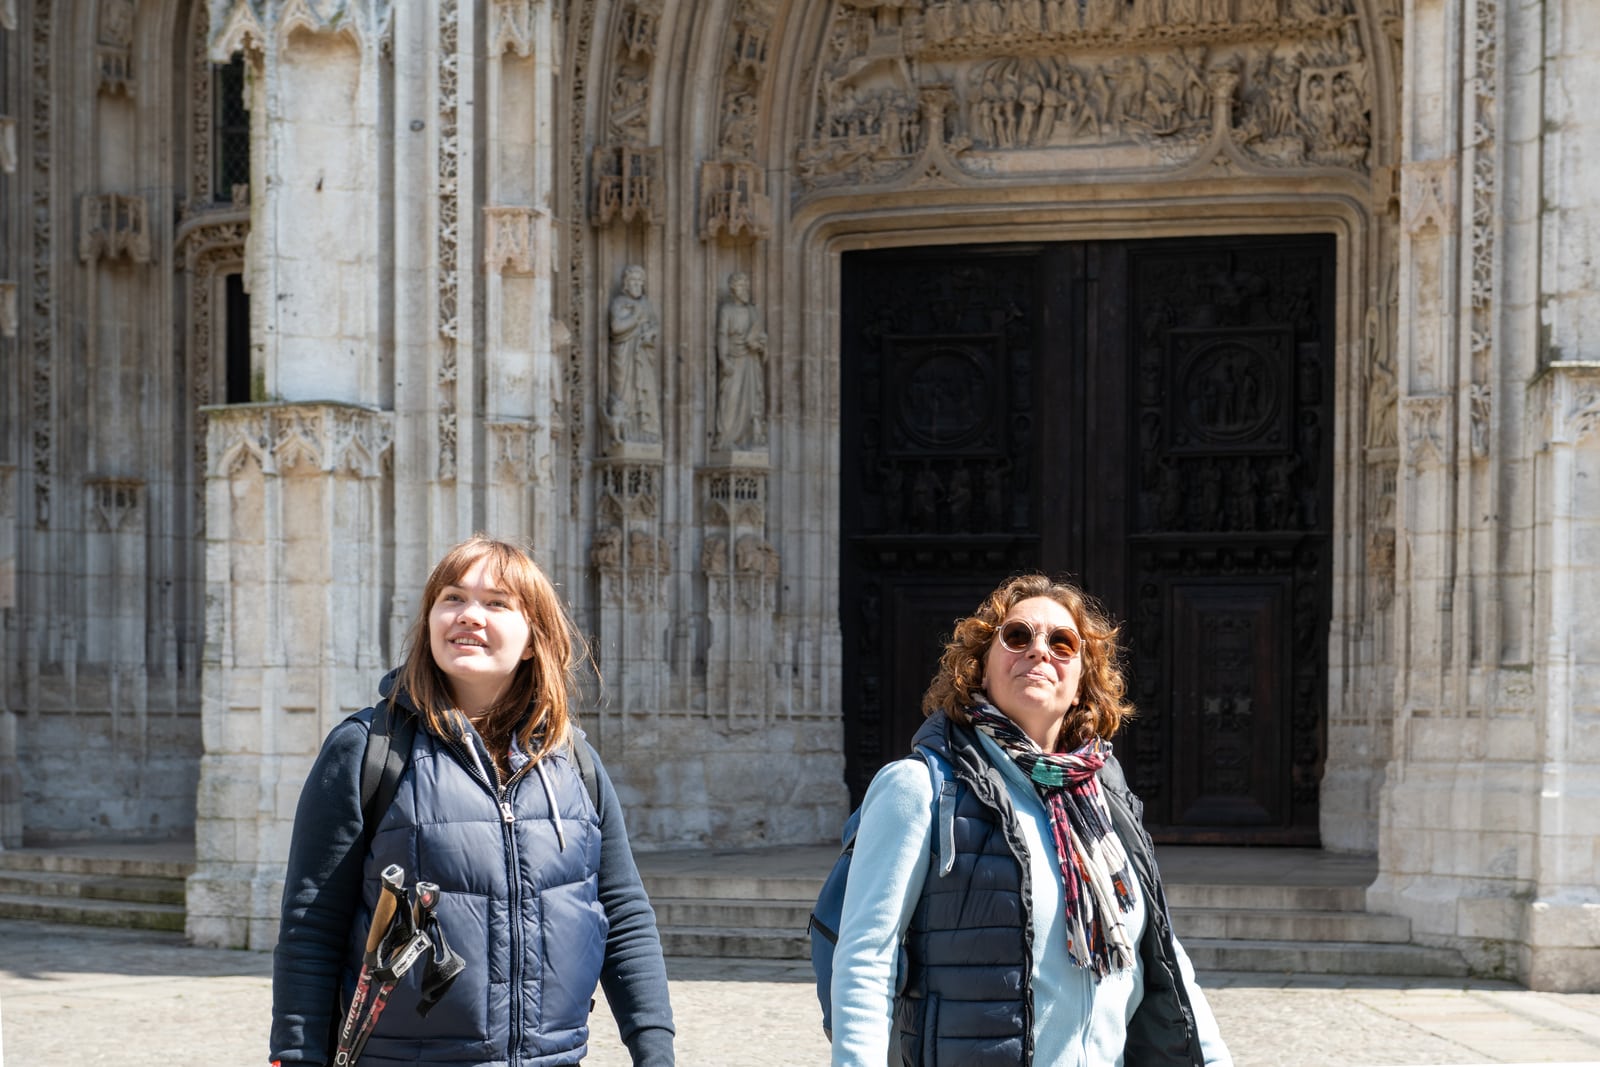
<point x="445" y="964"/>
<point x="392" y="958"/>
<point x="393" y="881"/>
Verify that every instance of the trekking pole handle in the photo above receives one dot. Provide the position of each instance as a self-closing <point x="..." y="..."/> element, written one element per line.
<point x="393" y="882"/>
<point x="426" y="896"/>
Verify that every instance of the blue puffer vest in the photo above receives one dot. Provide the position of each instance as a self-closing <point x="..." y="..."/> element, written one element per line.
<point x="520" y="902"/>
<point x="968" y="998"/>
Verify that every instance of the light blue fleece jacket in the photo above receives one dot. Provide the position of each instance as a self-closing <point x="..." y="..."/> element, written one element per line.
<point x="1077" y="1021"/>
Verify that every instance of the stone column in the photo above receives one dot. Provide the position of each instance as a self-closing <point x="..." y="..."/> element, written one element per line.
<point x="295" y="605"/>
<point x="297" y="488"/>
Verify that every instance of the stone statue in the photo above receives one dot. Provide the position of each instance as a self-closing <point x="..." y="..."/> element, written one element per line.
<point x="633" y="394"/>
<point x="741" y="370"/>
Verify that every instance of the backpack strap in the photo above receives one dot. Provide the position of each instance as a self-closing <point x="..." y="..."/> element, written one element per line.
<point x="586" y="771"/>
<point x="388" y="750"/>
<point x="944" y="811"/>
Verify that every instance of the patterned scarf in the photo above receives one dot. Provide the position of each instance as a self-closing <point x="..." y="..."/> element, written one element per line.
<point x="1094" y="868"/>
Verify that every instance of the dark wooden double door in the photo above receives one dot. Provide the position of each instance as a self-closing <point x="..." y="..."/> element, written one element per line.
<point x="1153" y="419"/>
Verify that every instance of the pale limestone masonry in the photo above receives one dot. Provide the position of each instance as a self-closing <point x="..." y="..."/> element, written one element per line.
<point x="205" y="564"/>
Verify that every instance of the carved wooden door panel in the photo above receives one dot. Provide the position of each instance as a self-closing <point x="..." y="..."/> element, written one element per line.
<point x="937" y="469"/>
<point x="1152" y="417"/>
<point x="1228" y="545"/>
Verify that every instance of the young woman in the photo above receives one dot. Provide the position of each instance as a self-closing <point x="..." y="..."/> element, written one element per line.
<point x="1048" y="942"/>
<point x="540" y="895"/>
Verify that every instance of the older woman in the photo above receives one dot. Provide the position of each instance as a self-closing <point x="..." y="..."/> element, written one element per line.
<point x="1049" y="941"/>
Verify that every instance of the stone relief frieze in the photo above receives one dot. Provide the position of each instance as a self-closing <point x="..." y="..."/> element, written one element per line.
<point x="113" y="226"/>
<point x="447" y="235"/>
<point x="1482" y="320"/>
<point x="632" y="409"/>
<point x="1036" y="85"/>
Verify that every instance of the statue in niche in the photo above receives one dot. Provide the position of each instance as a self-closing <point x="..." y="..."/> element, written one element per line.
<point x="741" y="421"/>
<point x="633" y="400"/>
<point x="1383" y="391"/>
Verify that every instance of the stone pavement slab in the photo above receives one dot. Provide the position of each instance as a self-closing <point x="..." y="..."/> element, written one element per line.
<point x="81" y="996"/>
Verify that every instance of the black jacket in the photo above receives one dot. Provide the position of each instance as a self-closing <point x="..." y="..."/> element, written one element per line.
<point x="968" y="997"/>
<point x="540" y="896"/>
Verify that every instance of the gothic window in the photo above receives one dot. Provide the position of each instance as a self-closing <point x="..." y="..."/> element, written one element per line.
<point x="236" y="339"/>
<point x="230" y="130"/>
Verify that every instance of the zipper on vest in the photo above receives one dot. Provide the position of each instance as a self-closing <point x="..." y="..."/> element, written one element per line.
<point x="514" y="904"/>
<point x="505" y="812"/>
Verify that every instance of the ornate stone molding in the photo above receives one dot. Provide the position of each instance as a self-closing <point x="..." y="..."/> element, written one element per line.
<point x="115" y="503"/>
<point x="515" y="240"/>
<point x="511" y="27"/>
<point x="626" y="186"/>
<point x="1428" y="196"/>
<point x="252" y="26"/>
<point x="447" y="237"/>
<point x="1424" y="420"/>
<point x="735" y="498"/>
<point x="1564" y="404"/>
<point x="514" y="453"/>
<point x="41" y="386"/>
<point x="733" y="201"/>
<point x="287" y="438"/>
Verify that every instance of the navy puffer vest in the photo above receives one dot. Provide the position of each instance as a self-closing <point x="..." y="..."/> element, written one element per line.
<point x="522" y="909"/>
<point x="968" y="997"/>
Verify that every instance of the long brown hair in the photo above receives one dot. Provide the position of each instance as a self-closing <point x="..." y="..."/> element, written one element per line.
<point x="537" y="705"/>
<point x="1101" y="709"/>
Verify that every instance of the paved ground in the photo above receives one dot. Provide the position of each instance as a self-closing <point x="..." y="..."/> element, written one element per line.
<point x="76" y="996"/>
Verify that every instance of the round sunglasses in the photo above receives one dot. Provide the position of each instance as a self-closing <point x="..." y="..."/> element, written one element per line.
<point x="1017" y="636"/>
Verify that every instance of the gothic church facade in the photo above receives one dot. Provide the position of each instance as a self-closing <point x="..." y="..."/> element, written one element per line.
<point x="780" y="329"/>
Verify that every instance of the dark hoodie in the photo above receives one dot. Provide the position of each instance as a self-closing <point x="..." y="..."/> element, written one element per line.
<point x="539" y="905"/>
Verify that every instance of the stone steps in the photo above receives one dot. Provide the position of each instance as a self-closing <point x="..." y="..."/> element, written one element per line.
<point x="1301" y="929"/>
<point x="131" y="888"/>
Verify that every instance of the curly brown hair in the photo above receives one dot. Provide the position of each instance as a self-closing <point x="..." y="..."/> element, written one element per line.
<point x="1100" y="710"/>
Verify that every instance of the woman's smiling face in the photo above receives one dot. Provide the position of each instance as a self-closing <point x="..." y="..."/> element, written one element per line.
<point x="478" y="634"/>
<point x="1032" y="688"/>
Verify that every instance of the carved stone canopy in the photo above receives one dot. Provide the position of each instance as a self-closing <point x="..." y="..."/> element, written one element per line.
<point x="625" y="185"/>
<point x="113" y="226"/>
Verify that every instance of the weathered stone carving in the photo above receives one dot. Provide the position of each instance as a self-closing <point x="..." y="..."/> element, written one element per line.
<point x="8" y="309"/>
<point x="8" y="15"/>
<point x="627" y="551"/>
<point x="514" y="240"/>
<point x="1427" y="195"/>
<point x="447" y="236"/>
<point x="1383" y="390"/>
<point x="638" y="27"/>
<point x="736" y="499"/>
<point x="732" y="201"/>
<point x="114" y="503"/>
<point x="279" y="438"/>
<point x="114" y="50"/>
<point x="1424" y="423"/>
<point x="511" y="27"/>
<point x="113" y="226"/>
<point x="632" y="409"/>
<point x="1479" y="399"/>
<point x="1305" y="99"/>
<point x="626" y="186"/>
<point x="741" y="422"/>
<point x="244" y="25"/>
<point x="8" y="144"/>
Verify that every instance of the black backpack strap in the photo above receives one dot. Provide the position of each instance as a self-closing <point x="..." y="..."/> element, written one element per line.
<point x="388" y="750"/>
<point x="586" y="771"/>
